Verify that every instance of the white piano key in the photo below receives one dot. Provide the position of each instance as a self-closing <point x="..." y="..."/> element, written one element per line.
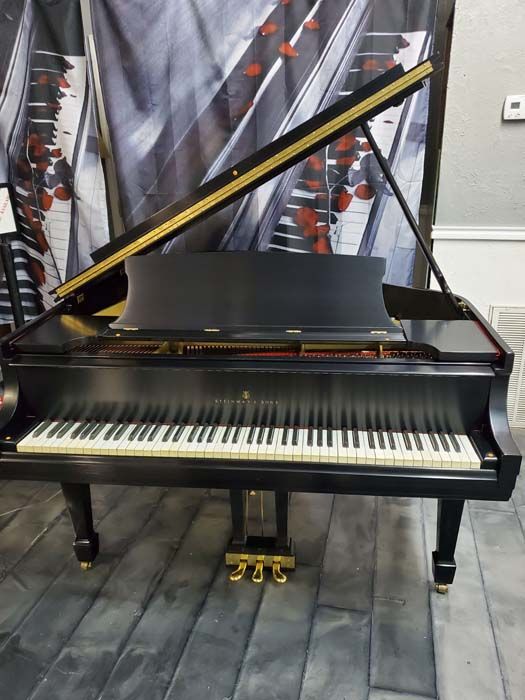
<point x="407" y="450"/>
<point x="280" y="450"/>
<point x="297" y="450"/>
<point x="241" y="448"/>
<point x="370" y="455"/>
<point x="361" y="455"/>
<point x="446" y="458"/>
<point x="397" y="451"/>
<point x="215" y="449"/>
<point x="382" y="455"/>
<point x="325" y="451"/>
<point x="474" y="458"/>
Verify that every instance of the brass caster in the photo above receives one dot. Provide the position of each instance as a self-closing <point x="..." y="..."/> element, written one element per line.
<point x="278" y="575"/>
<point x="441" y="588"/>
<point x="258" y="576"/>
<point x="86" y="565"/>
<point x="239" y="571"/>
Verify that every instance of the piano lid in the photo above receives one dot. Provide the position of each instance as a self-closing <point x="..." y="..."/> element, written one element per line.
<point x="248" y="295"/>
<point x="346" y="114"/>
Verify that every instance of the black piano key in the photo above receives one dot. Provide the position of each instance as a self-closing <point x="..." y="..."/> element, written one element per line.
<point x="371" y="441"/>
<point x="87" y="429"/>
<point x="433" y="441"/>
<point x="455" y="443"/>
<point x="329" y="437"/>
<point x="251" y="435"/>
<point x="212" y="432"/>
<point x="111" y="431"/>
<point x="344" y="437"/>
<point x="319" y="437"/>
<point x="406" y="440"/>
<point x="271" y="433"/>
<point x="136" y="430"/>
<point x="64" y="430"/>
<point x="237" y="433"/>
<point x="98" y="429"/>
<point x="284" y="439"/>
<point x="54" y="430"/>
<point x="120" y="432"/>
<point x="355" y="437"/>
<point x="226" y="434"/>
<point x="193" y="432"/>
<point x="143" y="433"/>
<point x="202" y="433"/>
<point x="169" y="432"/>
<point x="381" y="439"/>
<point x="417" y="440"/>
<point x="178" y="433"/>
<point x="444" y="442"/>
<point x="295" y="436"/>
<point x="41" y="428"/>
<point x="260" y="434"/>
<point x="310" y="437"/>
<point x="154" y="433"/>
<point x="391" y="440"/>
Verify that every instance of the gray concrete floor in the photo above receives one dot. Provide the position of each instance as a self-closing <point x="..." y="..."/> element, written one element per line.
<point x="157" y="617"/>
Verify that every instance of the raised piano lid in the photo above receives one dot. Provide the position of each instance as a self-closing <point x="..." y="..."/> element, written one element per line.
<point x="250" y="295"/>
<point x="343" y="116"/>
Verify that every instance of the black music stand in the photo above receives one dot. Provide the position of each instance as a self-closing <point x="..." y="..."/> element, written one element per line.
<point x="9" y="232"/>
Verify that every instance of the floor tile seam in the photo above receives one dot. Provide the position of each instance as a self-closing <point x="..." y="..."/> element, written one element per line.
<point x="340" y="608"/>
<point x="520" y="524"/>
<point x="403" y="693"/>
<point x="169" y="560"/>
<point x="373" y="589"/>
<point x="430" y="594"/>
<point x="316" y="600"/>
<point x="506" y="690"/>
<point x="191" y="632"/>
<point x="18" y="509"/>
<point x="120" y="557"/>
<point x="493" y="510"/>
<point x="67" y="559"/>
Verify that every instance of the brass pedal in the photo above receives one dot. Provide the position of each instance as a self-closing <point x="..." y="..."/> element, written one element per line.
<point x="278" y="575"/>
<point x="240" y="570"/>
<point x="258" y="575"/>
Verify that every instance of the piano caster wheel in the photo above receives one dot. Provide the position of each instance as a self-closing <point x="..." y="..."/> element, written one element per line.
<point x="239" y="571"/>
<point x="441" y="588"/>
<point x="86" y="565"/>
<point x="258" y="576"/>
<point x="278" y="575"/>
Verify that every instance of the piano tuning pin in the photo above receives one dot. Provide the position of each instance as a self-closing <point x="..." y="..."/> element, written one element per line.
<point x="240" y="570"/>
<point x="278" y="575"/>
<point x="258" y="576"/>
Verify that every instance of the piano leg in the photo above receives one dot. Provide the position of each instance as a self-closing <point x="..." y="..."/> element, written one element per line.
<point x="78" y="501"/>
<point x="281" y="517"/>
<point x="443" y="562"/>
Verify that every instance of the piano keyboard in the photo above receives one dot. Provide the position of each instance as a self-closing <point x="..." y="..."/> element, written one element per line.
<point x="432" y="450"/>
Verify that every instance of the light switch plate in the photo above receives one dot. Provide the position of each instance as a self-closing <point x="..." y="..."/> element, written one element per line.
<point x="514" y="107"/>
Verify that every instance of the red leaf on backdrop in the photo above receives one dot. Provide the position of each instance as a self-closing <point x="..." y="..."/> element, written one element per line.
<point x="23" y="168"/>
<point x="403" y="43"/>
<point x="42" y="166"/>
<point x="313" y="25"/>
<point x="370" y="64"/>
<point x="286" y="2"/>
<point x="37" y="272"/>
<point x="43" y="79"/>
<point x="38" y="151"/>
<point x="347" y="160"/>
<point x="313" y="184"/>
<point x="33" y="140"/>
<point x="365" y="146"/>
<point x="56" y="153"/>
<point x="322" y="247"/>
<point x="288" y="50"/>
<point x="46" y="201"/>
<point x="310" y="232"/>
<point x="344" y="199"/>
<point x="315" y="163"/>
<point x="323" y="230"/>
<point x="345" y="143"/>
<point x="62" y="83"/>
<point x="390" y="63"/>
<point x="321" y="196"/>
<point x="36" y="226"/>
<point x="28" y="212"/>
<point x="62" y="193"/>
<point x="245" y="108"/>
<point x="268" y="28"/>
<point x="42" y="241"/>
<point x="364" y="191"/>
<point x="306" y="216"/>
<point x="253" y="70"/>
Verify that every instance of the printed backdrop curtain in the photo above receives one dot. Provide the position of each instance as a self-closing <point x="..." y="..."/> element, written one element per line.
<point x="191" y="87"/>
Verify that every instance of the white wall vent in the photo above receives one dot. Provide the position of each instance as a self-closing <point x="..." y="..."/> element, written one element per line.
<point x="509" y="321"/>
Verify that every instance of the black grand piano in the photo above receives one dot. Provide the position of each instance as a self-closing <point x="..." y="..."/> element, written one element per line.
<point x="257" y="371"/>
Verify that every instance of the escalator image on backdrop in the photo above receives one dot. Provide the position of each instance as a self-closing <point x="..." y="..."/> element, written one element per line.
<point x="190" y="88"/>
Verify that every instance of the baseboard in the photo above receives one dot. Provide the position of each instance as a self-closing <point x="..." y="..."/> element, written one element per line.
<point x="481" y="233"/>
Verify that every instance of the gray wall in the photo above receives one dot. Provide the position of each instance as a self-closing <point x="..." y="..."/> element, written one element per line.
<point x="482" y="177"/>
